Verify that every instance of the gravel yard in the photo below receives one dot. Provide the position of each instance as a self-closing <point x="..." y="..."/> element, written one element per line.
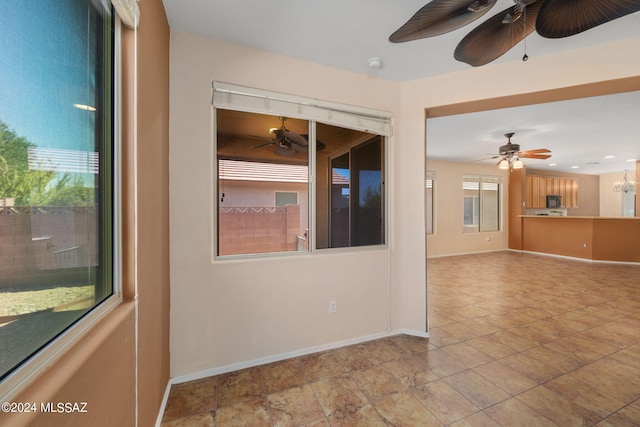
<point x="14" y="302"/>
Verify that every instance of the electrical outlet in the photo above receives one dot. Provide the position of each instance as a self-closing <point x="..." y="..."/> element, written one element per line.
<point x="332" y="307"/>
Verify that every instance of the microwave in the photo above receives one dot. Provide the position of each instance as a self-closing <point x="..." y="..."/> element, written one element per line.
<point x="554" y="202"/>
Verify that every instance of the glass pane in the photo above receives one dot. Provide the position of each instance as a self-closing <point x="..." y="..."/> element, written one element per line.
<point x="490" y="207"/>
<point x="55" y="178"/>
<point x="429" y="207"/>
<point x="258" y="155"/>
<point x="349" y="188"/>
<point x="471" y="206"/>
<point x="366" y="215"/>
<point x="340" y="194"/>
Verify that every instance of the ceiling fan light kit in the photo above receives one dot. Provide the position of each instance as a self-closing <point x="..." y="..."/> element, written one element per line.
<point x="498" y="34"/>
<point x="511" y="157"/>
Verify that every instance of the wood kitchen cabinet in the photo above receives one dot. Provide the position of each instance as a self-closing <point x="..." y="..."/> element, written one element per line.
<point x="539" y="186"/>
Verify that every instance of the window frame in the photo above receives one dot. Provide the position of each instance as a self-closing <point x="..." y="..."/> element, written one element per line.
<point x="110" y="159"/>
<point x="430" y="214"/>
<point x="481" y="180"/>
<point x="225" y="96"/>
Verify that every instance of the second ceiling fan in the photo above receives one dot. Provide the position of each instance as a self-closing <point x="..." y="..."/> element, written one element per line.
<point x="510" y="154"/>
<point x="495" y="36"/>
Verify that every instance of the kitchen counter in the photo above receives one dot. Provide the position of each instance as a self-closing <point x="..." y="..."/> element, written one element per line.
<point x="587" y="237"/>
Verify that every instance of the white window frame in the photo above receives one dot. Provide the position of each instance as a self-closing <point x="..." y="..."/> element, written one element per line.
<point x="275" y="196"/>
<point x="480" y="180"/>
<point x="251" y="100"/>
<point x="430" y="179"/>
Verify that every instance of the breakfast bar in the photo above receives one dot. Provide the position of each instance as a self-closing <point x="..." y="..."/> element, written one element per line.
<point x="587" y="237"/>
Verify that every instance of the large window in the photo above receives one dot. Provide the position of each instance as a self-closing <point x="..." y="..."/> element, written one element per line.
<point x="259" y="154"/>
<point x="56" y="151"/>
<point x="481" y="203"/>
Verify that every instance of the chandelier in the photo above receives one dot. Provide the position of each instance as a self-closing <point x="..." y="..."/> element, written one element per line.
<point x="624" y="186"/>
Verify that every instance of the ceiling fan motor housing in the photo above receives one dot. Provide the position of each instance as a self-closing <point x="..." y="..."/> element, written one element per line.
<point x="509" y="149"/>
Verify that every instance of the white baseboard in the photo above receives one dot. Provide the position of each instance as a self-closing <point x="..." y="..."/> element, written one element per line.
<point x="163" y="405"/>
<point x="593" y="261"/>
<point x="283" y="356"/>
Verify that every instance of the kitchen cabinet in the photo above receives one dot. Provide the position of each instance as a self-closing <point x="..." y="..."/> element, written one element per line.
<point x="539" y="186"/>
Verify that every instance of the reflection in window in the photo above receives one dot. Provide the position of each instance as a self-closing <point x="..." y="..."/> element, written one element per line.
<point x="258" y="156"/>
<point x="55" y="170"/>
<point x="354" y="213"/>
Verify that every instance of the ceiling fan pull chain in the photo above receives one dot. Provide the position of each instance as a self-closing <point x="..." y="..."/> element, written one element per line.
<point x="524" y="12"/>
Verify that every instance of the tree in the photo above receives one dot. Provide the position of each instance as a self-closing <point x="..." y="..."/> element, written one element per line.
<point x="31" y="187"/>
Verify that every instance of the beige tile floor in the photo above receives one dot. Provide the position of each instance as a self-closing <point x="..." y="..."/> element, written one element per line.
<point x="515" y="340"/>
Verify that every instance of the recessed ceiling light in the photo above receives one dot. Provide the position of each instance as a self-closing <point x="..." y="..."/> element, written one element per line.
<point x="609" y="157"/>
<point x="574" y="167"/>
<point x="552" y="164"/>
<point x="85" y="107"/>
<point x="631" y="160"/>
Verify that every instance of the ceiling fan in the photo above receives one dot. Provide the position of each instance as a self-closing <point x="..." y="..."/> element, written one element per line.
<point x="510" y="154"/>
<point x="495" y="36"/>
<point x="287" y="143"/>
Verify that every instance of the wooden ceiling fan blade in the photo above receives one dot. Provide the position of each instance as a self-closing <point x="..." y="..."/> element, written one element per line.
<point x="285" y="151"/>
<point x="440" y="17"/>
<point x="534" y="156"/>
<point x="564" y="18"/>
<point x="493" y="38"/>
<point x="261" y="145"/>
<point x="539" y="150"/>
<point x="294" y="138"/>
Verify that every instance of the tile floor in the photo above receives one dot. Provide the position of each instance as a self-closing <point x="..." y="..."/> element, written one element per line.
<point x="515" y="340"/>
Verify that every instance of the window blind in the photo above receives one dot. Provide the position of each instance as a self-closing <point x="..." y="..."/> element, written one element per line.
<point x="253" y="100"/>
<point x="128" y="12"/>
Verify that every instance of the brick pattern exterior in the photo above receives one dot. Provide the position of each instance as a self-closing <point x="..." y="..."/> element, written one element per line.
<point x="251" y="230"/>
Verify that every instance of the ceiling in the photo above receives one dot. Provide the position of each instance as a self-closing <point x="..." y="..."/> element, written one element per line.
<point x="582" y="134"/>
<point x="346" y="34"/>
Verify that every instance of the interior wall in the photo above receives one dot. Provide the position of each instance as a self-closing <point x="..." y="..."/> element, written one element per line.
<point x="231" y="313"/>
<point x="100" y="369"/>
<point x="152" y="249"/>
<point x="610" y="201"/>
<point x="448" y="237"/>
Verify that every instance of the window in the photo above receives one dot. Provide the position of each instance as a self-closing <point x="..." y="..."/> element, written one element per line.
<point x="260" y="154"/>
<point x="481" y="203"/>
<point x="429" y="207"/>
<point x="284" y="198"/>
<point x="56" y="159"/>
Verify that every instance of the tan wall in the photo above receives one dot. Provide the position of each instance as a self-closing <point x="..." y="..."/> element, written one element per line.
<point x="560" y="236"/>
<point x="153" y="209"/>
<point x="101" y="368"/>
<point x="616" y="239"/>
<point x="611" y="201"/>
<point x="448" y="238"/>
<point x="608" y="239"/>
<point x="225" y="313"/>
